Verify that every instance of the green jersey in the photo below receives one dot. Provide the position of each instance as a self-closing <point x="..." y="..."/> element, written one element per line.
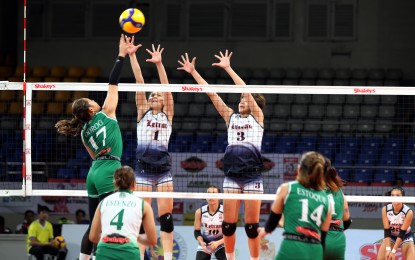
<point x="102" y="135"/>
<point x="306" y="208"/>
<point x="337" y="204"/>
<point x="305" y="211"/>
<point x="336" y="240"/>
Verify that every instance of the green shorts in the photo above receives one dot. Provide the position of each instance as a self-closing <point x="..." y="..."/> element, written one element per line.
<point x="100" y="177"/>
<point x="117" y="252"/>
<point x="291" y="249"/>
<point x="335" y="245"/>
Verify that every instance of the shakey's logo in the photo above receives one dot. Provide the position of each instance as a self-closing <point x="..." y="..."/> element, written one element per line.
<point x="364" y="90"/>
<point x="193" y="164"/>
<point x="46" y="86"/>
<point x="191" y="89"/>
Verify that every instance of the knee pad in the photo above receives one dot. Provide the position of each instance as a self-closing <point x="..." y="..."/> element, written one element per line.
<point x="166" y="223"/>
<point x="251" y="230"/>
<point x="228" y="229"/>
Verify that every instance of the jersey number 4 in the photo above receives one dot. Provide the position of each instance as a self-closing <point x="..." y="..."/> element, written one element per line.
<point x="117" y="220"/>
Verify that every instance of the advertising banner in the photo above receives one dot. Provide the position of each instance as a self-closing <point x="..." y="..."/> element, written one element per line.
<point x="360" y="243"/>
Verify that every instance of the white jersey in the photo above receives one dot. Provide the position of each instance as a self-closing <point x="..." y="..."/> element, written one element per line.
<point x="122" y="213"/>
<point x="211" y="226"/>
<point x="243" y="153"/>
<point x="245" y="131"/>
<point x="153" y="135"/>
<point x="396" y="220"/>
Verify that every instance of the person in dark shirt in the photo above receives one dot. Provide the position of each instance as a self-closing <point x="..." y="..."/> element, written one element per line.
<point x="22" y="228"/>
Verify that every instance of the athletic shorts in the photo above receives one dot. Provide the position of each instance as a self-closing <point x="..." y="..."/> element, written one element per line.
<point x="116" y="252"/>
<point x="244" y="185"/>
<point x="199" y="248"/>
<point x="143" y="178"/>
<point x="100" y="177"/>
<point x="297" y="250"/>
<point x="335" y="245"/>
<point x="408" y="238"/>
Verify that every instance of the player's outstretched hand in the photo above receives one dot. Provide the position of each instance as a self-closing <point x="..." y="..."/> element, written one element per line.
<point x="155" y="54"/>
<point x="133" y="48"/>
<point x="125" y="43"/>
<point x="224" y="60"/>
<point x="187" y="66"/>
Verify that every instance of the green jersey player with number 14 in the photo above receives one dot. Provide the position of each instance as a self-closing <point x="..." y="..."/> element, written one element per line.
<point x="308" y="208"/>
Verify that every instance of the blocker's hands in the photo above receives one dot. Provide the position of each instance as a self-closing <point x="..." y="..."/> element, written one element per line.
<point x="224" y="60"/>
<point x="187" y="66"/>
<point x="131" y="49"/>
<point x="155" y="54"/>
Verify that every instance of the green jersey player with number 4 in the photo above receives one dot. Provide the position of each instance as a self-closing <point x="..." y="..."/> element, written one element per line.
<point x="308" y="208"/>
<point x="117" y="221"/>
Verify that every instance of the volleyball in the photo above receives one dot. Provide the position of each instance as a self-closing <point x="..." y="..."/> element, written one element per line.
<point x="132" y="20"/>
<point x="59" y="242"/>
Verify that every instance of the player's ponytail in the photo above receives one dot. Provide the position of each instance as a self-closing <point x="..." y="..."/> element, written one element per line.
<point x="69" y="127"/>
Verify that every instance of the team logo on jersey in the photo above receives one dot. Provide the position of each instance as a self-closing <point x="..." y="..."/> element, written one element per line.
<point x="193" y="164"/>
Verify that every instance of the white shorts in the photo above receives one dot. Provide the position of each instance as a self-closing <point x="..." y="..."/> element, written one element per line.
<point x="144" y="178"/>
<point x="244" y="185"/>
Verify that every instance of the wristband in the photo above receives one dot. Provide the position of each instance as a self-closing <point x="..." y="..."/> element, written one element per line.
<point x="393" y="250"/>
<point x="388" y="248"/>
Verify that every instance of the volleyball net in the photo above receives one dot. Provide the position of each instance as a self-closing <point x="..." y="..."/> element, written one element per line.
<point x="367" y="132"/>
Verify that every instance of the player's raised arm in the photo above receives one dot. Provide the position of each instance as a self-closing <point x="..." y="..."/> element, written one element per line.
<point x="225" y="63"/>
<point x="156" y="58"/>
<point x="111" y="101"/>
<point x="140" y="96"/>
<point x="189" y="67"/>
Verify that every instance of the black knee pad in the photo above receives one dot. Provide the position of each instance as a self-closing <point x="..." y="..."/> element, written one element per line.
<point x="228" y="229"/>
<point x="166" y="223"/>
<point x="251" y="230"/>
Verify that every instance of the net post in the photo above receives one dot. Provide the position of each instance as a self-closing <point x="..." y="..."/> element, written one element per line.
<point x="27" y="141"/>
